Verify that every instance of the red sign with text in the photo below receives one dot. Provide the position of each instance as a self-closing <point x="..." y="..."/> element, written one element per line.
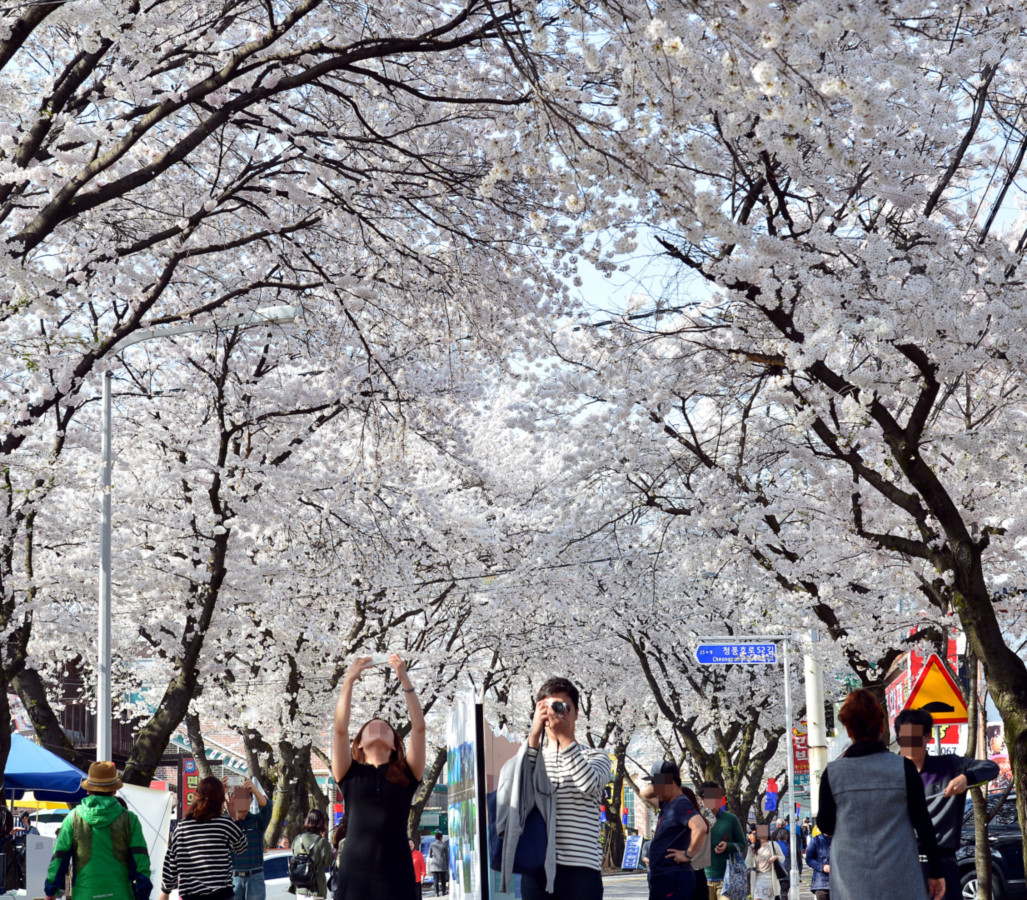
<point x="800" y="749"/>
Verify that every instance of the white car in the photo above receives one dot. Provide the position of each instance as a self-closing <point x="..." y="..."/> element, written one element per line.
<point x="276" y="875"/>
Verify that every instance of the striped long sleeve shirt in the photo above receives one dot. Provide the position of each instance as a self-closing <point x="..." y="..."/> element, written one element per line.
<point x="579" y="776"/>
<point x="199" y="858"/>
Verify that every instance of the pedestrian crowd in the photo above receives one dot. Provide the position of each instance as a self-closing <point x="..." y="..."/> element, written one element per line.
<point x="887" y="826"/>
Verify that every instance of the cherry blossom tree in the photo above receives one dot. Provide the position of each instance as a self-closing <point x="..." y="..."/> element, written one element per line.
<point x="839" y="186"/>
<point x="160" y="165"/>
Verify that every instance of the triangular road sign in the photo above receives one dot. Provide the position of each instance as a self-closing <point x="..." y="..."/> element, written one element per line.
<point x="935" y="685"/>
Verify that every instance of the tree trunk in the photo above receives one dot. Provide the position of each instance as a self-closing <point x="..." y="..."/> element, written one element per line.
<point x="318" y="798"/>
<point x="1016" y="745"/>
<point x="291" y="797"/>
<point x="192" y="725"/>
<point x="152" y="739"/>
<point x="5" y="738"/>
<point x="975" y="744"/>
<point x="32" y="692"/>
<point x="423" y="795"/>
<point x="613" y="844"/>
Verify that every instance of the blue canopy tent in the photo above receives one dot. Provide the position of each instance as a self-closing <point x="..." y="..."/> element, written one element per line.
<point x="31" y="768"/>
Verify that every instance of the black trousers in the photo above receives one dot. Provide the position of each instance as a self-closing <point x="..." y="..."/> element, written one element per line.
<point x="673" y="884"/>
<point x="571" y="883"/>
<point x="441" y="882"/>
<point x="701" y="889"/>
<point x="951" y="873"/>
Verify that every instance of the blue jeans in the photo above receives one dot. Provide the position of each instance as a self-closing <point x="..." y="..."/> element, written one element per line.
<point x="571" y="883"/>
<point x="672" y="884"/>
<point x="249" y="887"/>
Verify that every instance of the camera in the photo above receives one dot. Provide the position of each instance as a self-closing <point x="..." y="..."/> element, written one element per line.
<point x="558" y="706"/>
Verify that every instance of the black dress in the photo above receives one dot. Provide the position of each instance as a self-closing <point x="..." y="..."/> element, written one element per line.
<point x="375" y="863"/>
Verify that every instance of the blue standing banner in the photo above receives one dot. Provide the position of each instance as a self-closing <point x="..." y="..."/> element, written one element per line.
<point x="632" y="852"/>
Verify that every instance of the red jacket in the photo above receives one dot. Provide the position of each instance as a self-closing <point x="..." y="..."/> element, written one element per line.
<point x="419" y="869"/>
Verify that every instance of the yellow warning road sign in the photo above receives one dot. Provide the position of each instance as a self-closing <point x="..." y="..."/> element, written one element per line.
<point x="937" y="690"/>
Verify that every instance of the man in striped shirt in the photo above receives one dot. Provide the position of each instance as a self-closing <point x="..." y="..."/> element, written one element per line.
<point x="579" y="775"/>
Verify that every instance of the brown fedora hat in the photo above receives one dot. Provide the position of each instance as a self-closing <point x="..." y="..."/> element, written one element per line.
<point x="102" y="778"/>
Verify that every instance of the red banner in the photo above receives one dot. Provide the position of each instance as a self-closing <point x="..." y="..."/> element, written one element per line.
<point x="800" y="749"/>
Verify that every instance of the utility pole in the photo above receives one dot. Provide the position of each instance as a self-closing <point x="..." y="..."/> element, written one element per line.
<point x="761" y="649"/>
<point x="816" y="731"/>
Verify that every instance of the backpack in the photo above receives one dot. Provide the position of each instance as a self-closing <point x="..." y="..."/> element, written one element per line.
<point x="302" y="870"/>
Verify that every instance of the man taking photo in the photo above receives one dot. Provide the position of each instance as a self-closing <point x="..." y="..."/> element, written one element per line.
<point x="248" y="866"/>
<point x="578" y="776"/>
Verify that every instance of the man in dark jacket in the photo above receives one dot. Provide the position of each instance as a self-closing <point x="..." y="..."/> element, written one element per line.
<point x="438" y="864"/>
<point x="782" y="837"/>
<point x="818" y="855"/>
<point x="946" y="779"/>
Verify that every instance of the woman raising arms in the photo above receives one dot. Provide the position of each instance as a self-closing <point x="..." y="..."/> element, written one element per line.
<point x="378" y="777"/>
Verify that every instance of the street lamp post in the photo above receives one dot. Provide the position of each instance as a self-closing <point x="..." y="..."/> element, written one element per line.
<point x="275" y="315"/>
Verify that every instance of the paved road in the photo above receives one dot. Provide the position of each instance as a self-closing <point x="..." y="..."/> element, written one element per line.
<point x="633" y="887"/>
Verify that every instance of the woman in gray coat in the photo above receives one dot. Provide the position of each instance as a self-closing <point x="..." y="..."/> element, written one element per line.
<point x="871" y="802"/>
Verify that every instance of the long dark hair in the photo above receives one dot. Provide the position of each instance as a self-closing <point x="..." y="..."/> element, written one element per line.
<point x="210" y="800"/>
<point x="398" y="771"/>
<point x="690" y="794"/>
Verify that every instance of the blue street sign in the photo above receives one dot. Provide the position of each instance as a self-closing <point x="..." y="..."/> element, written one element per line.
<point x="726" y="654"/>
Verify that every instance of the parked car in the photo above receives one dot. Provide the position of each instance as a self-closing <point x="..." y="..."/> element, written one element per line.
<point x="276" y="875"/>
<point x="48" y="822"/>
<point x="1005" y="838"/>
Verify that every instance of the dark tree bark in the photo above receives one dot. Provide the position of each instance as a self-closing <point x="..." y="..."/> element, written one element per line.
<point x="192" y="725"/>
<point x="32" y="692"/>
<point x="291" y="797"/>
<point x="975" y="742"/>
<point x="436" y="764"/>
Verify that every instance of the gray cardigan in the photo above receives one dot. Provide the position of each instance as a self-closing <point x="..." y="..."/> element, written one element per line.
<point x="523" y="786"/>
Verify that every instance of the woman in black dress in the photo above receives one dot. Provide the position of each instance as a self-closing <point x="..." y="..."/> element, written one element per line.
<point x="378" y="778"/>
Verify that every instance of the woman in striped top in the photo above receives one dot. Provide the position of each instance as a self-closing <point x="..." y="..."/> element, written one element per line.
<point x="199" y="859"/>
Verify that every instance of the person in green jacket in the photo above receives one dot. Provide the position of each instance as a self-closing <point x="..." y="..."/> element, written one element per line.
<point x="314" y="843"/>
<point x="102" y="843"/>
<point x="726" y="837"/>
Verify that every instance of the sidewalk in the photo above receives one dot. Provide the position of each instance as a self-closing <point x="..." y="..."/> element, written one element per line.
<point x="633" y="886"/>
